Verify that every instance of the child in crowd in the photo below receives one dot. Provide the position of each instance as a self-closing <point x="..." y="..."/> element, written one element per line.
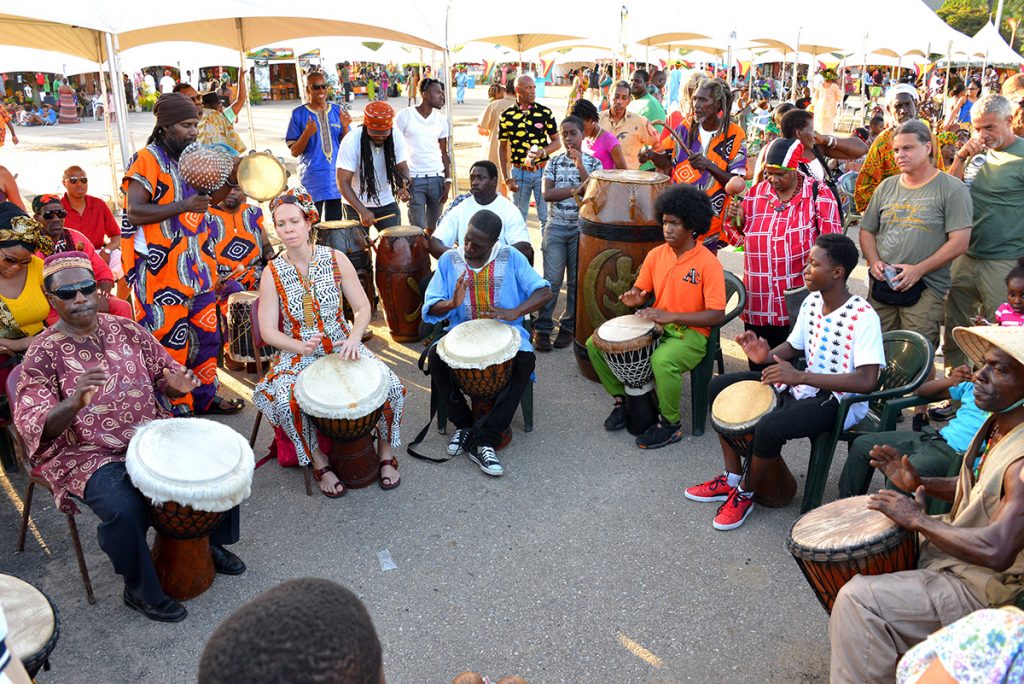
<point x="1011" y="312"/>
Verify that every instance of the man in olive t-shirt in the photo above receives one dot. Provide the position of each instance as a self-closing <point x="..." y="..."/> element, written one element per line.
<point x="992" y="165"/>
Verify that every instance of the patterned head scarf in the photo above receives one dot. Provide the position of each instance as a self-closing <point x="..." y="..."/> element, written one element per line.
<point x="17" y="226"/>
<point x="946" y="138"/>
<point x="65" y="260"/>
<point x="378" y="117"/>
<point x="40" y="201"/>
<point x="784" y="153"/>
<point x="891" y="93"/>
<point x="300" y="197"/>
<point x="829" y="74"/>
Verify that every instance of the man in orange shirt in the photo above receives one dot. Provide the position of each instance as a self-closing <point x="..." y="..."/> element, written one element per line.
<point x="689" y="299"/>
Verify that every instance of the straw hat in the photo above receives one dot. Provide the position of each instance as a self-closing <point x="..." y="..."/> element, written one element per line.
<point x="977" y="340"/>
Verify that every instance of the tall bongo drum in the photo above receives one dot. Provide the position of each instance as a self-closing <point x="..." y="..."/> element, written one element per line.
<point x="349" y="238"/>
<point x="481" y="353"/>
<point x="618" y="227"/>
<point x="33" y="623"/>
<point x="344" y="398"/>
<point x="193" y="471"/>
<point x="844" y="538"/>
<point x="627" y="344"/>
<point x="239" y="329"/>
<point x="402" y="262"/>
<point x="734" y="415"/>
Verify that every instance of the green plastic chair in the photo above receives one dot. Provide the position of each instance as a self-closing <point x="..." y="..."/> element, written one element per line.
<point x="909" y="357"/>
<point x="700" y="376"/>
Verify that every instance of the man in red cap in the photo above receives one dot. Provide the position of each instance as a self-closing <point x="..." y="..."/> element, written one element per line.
<point x="373" y="170"/>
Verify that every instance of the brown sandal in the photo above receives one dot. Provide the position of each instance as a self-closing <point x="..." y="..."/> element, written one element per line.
<point x="393" y="462"/>
<point x="319" y="474"/>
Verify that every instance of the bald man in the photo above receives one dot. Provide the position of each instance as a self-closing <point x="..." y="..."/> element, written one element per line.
<point x="90" y="215"/>
<point x="527" y="137"/>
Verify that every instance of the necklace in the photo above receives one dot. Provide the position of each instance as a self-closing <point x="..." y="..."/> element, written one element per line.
<point x="986" y="447"/>
<point x="308" y="315"/>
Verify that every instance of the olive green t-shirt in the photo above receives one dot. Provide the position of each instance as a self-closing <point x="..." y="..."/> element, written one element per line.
<point x="911" y="224"/>
<point x="996" y="181"/>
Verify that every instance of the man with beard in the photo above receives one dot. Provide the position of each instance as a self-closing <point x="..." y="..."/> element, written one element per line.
<point x="314" y="136"/>
<point x="169" y="254"/>
<point x="373" y="169"/>
<point x="633" y="130"/>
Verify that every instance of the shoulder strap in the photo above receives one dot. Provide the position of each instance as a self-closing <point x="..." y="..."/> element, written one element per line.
<point x="814" y="204"/>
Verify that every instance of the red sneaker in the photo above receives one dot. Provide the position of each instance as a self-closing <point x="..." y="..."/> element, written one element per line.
<point x="734" y="511"/>
<point x="717" y="489"/>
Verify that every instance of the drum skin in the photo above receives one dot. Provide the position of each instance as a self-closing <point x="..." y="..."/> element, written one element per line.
<point x="353" y="243"/>
<point x="33" y="623"/>
<point x="402" y="262"/>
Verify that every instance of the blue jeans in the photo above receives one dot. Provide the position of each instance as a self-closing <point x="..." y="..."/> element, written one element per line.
<point x="530" y="182"/>
<point x="559" y="245"/>
<point x="425" y="201"/>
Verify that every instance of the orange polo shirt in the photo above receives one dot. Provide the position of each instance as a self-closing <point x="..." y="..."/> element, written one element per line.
<point x="692" y="282"/>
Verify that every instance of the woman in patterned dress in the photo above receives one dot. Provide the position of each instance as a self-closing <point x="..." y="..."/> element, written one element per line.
<point x="312" y="326"/>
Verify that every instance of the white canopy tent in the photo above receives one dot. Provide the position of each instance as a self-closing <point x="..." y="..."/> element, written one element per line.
<point x="990" y="46"/>
<point x="14" y="58"/>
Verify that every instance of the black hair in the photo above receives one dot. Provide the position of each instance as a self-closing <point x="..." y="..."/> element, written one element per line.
<point x="643" y="73"/>
<point x="1016" y="273"/>
<point x="18" y="243"/>
<point x="426" y="83"/>
<point x="840" y="250"/>
<point x="862" y="133"/>
<point x="780" y="111"/>
<point x="794" y="120"/>
<point x="368" y="176"/>
<point x="178" y="87"/>
<point x="877" y="119"/>
<point x="689" y="205"/>
<point x="491" y="167"/>
<point x="156" y="137"/>
<point x="573" y="121"/>
<point x="585" y="109"/>
<point x="334" y="643"/>
<point x="510" y="87"/>
<point x="487" y="222"/>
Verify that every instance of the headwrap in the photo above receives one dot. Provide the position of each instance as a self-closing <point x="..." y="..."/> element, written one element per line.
<point x="784" y="153"/>
<point x="40" y="201"/>
<point x="829" y="74"/>
<point x="172" y="108"/>
<point x="946" y="138"/>
<point x="65" y="260"/>
<point x="17" y="226"/>
<point x="300" y="197"/>
<point x="378" y="116"/>
<point x="890" y="95"/>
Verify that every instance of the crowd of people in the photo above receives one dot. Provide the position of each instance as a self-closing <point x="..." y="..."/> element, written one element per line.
<point x="943" y="242"/>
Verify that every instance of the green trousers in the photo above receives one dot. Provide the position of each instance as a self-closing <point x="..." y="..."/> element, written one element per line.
<point x="680" y="350"/>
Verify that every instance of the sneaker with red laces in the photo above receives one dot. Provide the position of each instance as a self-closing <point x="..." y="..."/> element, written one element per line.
<point x="717" y="489"/>
<point x="735" y="510"/>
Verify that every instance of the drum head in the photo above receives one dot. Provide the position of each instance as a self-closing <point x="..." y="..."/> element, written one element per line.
<point x="401" y="231"/>
<point x="625" y="328"/>
<point x="630" y="176"/>
<point x="262" y="176"/>
<point x="342" y="223"/>
<point x="478" y="344"/>
<point x="743" y="403"/>
<point x="29" y="616"/>
<point x="844" y="524"/>
<point x="192" y="461"/>
<point x="245" y="297"/>
<point x="333" y="387"/>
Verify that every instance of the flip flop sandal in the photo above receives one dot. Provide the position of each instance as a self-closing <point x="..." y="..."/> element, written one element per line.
<point x="393" y="462"/>
<point x="319" y="474"/>
<point x="224" y="407"/>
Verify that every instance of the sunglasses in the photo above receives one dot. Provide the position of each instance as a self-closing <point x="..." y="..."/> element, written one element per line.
<point x="69" y="292"/>
<point x="319" y="86"/>
<point x="58" y="213"/>
<point x="14" y="262"/>
<point x="75" y="180"/>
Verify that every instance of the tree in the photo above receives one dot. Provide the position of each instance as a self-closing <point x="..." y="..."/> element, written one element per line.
<point x="966" y="16"/>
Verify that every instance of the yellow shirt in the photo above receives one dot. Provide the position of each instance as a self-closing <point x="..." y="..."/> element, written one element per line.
<point x="30" y="308"/>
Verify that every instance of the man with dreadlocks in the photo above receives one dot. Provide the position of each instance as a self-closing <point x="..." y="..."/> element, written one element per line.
<point x="169" y="254"/>
<point x="373" y="169"/>
<point x="711" y="149"/>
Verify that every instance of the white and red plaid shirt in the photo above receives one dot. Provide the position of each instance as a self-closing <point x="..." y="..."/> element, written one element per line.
<point x="777" y="238"/>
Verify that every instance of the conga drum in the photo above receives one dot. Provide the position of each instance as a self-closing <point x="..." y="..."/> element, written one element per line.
<point x="33" y="623"/>
<point x="239" y="329"/>
<point x="734" y="415"/>
<point x="349" y="237"/>
<point x="344" y="399"/>
<point x="261" y="176"/>
<point x="627" y="344"/>
<point x="844" y="538"/>
<point x="402" y="262"/>
<point x="193" y="471"/>
<point x="618" y="227"/>
<point x="481" y="353"/>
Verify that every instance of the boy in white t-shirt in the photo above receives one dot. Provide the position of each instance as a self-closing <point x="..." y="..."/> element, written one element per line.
<point x="840" y="336"/>
<point x="425" y="130"/>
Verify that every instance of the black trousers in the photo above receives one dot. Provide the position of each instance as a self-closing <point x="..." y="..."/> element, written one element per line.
<point x="124" y="519"/>
<point x="501" y="415"/>
<point x="396" y="220"/>
<point x="330" y="210"/>
<point x="774" y="335"/>
<point x="793" y="418"/>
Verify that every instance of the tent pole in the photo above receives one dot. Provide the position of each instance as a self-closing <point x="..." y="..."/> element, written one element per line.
<point x="115" y="78"/>
<point x="796" y="62"/>
<point x="106" y="124"/>
<point x="121" y="95"/>
<point x="447" y="81"/>
<point x="242" y="73"/>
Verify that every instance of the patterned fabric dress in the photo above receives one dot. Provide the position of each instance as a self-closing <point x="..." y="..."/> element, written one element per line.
<point x="274" y="394"/>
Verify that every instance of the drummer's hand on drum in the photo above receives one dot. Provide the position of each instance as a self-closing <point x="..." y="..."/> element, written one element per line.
<point x="656" y="315"/>
<point x="180" y="381"/>
<point x="196" y="204"/>
<point x="459" y="295"/>
<point x="903" y="510"/>
<point x="501" y="314"/>
<point x="349" y="349"/>
<point x="309" y="346"/>
<point x="366" y="217"/>
<point x="756" y="348"/>
<point x="780" y="373"/>
<point x="633" y="297"/>
<point x="896" y="467"/>
<point x="87" y="384"/>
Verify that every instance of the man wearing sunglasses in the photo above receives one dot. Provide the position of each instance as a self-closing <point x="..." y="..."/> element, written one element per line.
<point x="90" y="216"/>
<point x="87" y="384"/>
<point x="314" y="136"/>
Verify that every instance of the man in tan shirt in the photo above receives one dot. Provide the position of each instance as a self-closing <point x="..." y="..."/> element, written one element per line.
<point x="632" y="130"/>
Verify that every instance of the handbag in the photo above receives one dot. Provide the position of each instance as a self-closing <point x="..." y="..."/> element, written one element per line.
<point x="884" y="294"/>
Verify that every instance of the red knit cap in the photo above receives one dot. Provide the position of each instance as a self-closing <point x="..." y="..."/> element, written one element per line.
<point x="377" y="117"/>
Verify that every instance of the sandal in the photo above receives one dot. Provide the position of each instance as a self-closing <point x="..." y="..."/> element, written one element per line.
<point x="318" y="475"/>
<point x="393" y="462"/>
<point x="223" y="407"/>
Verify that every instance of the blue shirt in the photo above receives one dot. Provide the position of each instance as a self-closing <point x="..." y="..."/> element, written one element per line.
<point x="514" y="281"/>
<point x="317" y="164"/>
<point x="967" y="421"/>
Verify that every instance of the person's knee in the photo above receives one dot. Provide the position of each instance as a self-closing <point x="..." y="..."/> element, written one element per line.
<point x="853" y="596"/>
<point x="769" y="436"/>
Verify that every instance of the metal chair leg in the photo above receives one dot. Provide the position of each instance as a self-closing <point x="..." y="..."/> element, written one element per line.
<point x="77" y="543"/>
<point x="26" y="508"/>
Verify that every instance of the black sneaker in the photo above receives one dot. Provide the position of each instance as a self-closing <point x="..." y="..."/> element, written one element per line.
<point x="660" y="434"/>
<point x="942" y="413"/>
<point x="542" y="341"/>
<point x="564" y="338"/>
<point x="919" y="421"/>
<point x="487" y="460"/>
<point x="167" y="610"/>
<point x="616" y="420"/>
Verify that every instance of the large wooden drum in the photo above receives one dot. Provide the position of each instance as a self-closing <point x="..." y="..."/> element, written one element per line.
<point x="193" y="471"/>
<point x="33" y="623"/>
<point x="349" y="237"/>
<point x="618" y="227"/>
<point x="402" y="262"/>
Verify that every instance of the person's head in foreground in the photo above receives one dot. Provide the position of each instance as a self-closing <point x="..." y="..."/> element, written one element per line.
<point x="306" y="630"/>
<point x="830" y="263"/>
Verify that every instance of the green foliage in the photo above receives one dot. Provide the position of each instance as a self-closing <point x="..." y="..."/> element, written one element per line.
<point x="966" y="16"/>
<point x="147" y="98"/>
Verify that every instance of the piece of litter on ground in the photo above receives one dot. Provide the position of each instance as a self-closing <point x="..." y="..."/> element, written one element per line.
<point x="384" y="557"/>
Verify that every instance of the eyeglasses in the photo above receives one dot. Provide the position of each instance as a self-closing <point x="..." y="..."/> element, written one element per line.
<point x="69" y="292"/>
<point x="15" y="262"/>
<point x="58" y="213"/>
<point x="74" y="180"/>
<point x="319" y="86"/>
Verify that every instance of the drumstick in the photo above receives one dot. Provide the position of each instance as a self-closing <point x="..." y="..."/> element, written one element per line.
<point x="386" y="216"/>
<point x="682" y="144"/>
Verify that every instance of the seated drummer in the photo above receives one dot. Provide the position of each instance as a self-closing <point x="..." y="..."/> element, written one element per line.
<point x="971" y="558"/>
<point x="301" y="314"/>
<point x="87" y="384"/>
<point x="464" y="288"/>
<point x="688" y="284"/>
<point x="840" y="336"/>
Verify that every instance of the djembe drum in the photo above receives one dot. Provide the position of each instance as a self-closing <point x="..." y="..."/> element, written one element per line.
<point x="481" y="353"/>
<point x="844" y="538"/>
<point x="402" y="262"/>
<point x="349" y="238"/>
<point x="627" y="344"/>
<point x="618" y="227"/>
<point x="204" y="167"/>
<point x="344" y="399"/>
<point x="261" y="176"/>
<point x="193" y="471"/>
<point x="734" y="415"/>
<point x="239" y="329"/>
<point x="33" y="623"/>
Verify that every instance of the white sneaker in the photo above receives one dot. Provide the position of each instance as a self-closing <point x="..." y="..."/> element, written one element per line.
<point x="488" y="461"/>
<point x="457" y="443"/>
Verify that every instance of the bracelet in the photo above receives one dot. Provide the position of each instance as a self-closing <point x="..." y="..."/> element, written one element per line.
<point x="832" y="141"/>
<point x="447" y="180"/>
